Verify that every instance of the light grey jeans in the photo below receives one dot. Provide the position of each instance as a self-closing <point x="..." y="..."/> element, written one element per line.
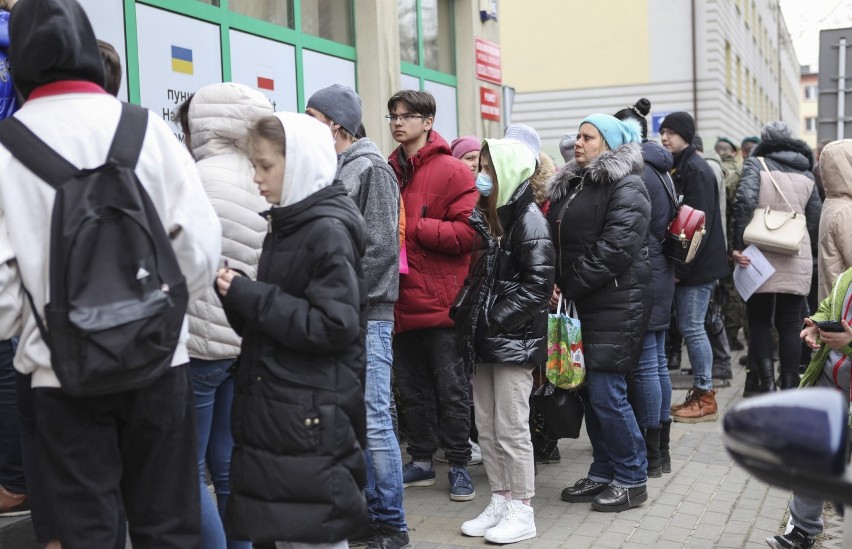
<point x="501" y="397"/>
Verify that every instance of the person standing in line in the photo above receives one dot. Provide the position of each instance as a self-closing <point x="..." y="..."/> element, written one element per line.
<point x="218" y="119"/>
<point x="714" y="321"/>
<point x="835" y="246"/>
<point x="142" y="440"/>
<point x="747" y="145"/>
<point x="831" y="366"/>
<point x="299" y="420"/>
<point x="696" y="281"/>
<point x="599" y="214"/>
<point x="733" y="307"/>
<point x="466" y="149"/>
<point x="650" y="385"/>
<point x="779" y="300"/>
<point x="371" y="183"/>
<point x="501" y="319"/>
<point x="439" y="196"/>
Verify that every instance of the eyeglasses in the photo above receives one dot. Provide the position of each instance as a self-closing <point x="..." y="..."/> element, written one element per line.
<point x="405" y="117"/>
<point x="665" y="132"/>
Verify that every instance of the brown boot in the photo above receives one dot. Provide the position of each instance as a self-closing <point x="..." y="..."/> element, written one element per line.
<point x="690" y="396"/>
<point x="13" y="504"/>
<point x="701" y="408"/>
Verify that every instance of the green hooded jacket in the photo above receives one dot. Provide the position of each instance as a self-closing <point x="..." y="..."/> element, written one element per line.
<point x="513" y="164"/>
<point x="829" y="309"/>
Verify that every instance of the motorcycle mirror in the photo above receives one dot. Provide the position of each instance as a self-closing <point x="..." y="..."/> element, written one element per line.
<point x="797" y="440"/>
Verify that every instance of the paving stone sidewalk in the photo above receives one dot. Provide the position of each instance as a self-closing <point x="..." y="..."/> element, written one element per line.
<point x="707" y="500"/>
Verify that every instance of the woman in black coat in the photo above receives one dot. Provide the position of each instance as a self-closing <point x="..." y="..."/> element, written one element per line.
<point x="599" y="220"/>
<point x="650" y="385"/>
<point x="299" y="421"/>
<point x="501" y="318"/>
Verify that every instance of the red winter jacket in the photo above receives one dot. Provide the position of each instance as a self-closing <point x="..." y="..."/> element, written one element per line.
<point x="439" y="195"/>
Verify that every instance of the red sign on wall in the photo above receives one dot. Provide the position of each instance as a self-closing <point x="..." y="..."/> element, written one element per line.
<point x="488" y="61"/>
<point x="489" y="104"/>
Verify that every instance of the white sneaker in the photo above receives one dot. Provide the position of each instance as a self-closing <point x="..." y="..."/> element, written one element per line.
<point x="518" y="524"/>
<point x="489" y="518"/>
<point x="475" y="454"/>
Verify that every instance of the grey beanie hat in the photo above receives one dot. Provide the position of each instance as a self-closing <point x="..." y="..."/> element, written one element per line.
<point x="527" y="136"/>
<point x="775" y="130"/>
<point x="339" y="103"/>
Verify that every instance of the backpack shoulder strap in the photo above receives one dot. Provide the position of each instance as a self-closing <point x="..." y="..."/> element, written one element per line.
<point x="129" y="135"/>
<point x="669" y="188"/>
<point x="35" y="154"/>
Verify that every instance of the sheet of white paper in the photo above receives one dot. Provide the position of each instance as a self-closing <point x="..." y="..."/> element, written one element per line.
<point x="748" y="279"/>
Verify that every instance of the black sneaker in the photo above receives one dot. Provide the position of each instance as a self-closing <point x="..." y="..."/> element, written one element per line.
<point x="796" y="539"/>
<point x="549" y="453"/>
<point x="388" y="538"/>
<point x="583" y="491"/>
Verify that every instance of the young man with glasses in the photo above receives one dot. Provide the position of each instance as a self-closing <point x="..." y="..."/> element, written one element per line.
<point x="439" y="195"/>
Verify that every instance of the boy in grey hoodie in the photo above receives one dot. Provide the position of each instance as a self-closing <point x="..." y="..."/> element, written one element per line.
<point x="371" y="183"/>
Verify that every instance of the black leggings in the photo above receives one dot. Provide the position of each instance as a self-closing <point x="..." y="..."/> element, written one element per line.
<point x="785" y="311"/>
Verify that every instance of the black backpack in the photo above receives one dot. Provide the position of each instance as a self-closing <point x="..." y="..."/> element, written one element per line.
<point x="117" y="296"/>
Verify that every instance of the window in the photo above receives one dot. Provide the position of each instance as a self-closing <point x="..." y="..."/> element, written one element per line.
<point x="811" y="93"/>
<point x="330" y="19"/>
<point x="728" y="79"/>
<point x="426" y="29"/>
<point x="739" y="78"/>
<point x="811" y="124"/>
<point x="408" y="46"/>
<point x="279" y="12"/>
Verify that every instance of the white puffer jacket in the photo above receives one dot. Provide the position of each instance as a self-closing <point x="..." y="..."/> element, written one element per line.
<point x="219" y="117"/>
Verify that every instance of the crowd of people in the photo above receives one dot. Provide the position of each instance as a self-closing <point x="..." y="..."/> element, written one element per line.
<point x="338" y="302"/>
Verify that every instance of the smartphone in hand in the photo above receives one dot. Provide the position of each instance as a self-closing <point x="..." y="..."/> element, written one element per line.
<point x="829" y="326"/>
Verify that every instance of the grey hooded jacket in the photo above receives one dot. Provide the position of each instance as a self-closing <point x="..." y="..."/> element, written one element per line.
<point x="370" y="181"/>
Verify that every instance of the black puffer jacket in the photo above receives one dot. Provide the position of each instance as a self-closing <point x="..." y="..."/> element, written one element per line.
<point x="694" y="179"/>
<point x="602" y="259"/>
<point x="501" y="316"/>
<point x="662" y="210"/>
<point x="298" y="420"/>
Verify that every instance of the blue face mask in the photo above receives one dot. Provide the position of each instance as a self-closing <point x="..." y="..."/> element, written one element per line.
<point x="483" y="184"/>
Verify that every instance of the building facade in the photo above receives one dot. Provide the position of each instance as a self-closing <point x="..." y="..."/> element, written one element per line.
<point x="730" y="63"/>
<point x="808" y="106"/>
<point x="288" y="49"/>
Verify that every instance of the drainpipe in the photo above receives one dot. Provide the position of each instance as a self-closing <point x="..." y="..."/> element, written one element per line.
<point x="694" y="69"/>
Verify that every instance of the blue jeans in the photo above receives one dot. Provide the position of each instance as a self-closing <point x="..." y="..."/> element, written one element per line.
<point x="650" y="386"/>
<point x="11" y="463"/>
<point x="691" y="304"/>
<point x="618" y="449"/>
<point x="213" y="386"/>
<point x="384" y="460"/>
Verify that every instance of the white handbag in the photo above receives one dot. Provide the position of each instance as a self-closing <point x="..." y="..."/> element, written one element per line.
<point x="773" y="230"/>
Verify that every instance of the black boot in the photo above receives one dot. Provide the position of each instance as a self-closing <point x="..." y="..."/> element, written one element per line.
<point x="652" y="446"/>
<point x="752" y="383"/>
<point x="733" y="342"/>
<point x="665" y="457"/>
<point x="766" y="373"/>
<point x="789" y="380"/>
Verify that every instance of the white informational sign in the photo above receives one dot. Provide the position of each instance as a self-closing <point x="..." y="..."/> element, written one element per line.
<point x="107" y="19"/>
<point x="748" y="279"/>
<point x="321" y="71"/>
<point x="267" y="66"/>
<point x="177" y="56"/>
<point x="446" y="118"/>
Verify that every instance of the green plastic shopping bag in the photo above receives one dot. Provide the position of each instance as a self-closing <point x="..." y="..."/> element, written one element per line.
<point x="566" y="367"/>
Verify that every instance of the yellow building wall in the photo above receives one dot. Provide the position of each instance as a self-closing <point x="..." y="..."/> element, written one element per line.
<point x="557" y="44"/>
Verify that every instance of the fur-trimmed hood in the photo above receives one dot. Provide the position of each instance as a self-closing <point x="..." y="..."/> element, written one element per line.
<point x="607" y="168"/>
<point x="546" y="169"/>
<point x="793" y="152"/>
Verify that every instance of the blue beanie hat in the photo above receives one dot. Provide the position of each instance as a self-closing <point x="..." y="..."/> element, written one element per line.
<point x="614" y="131"/>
